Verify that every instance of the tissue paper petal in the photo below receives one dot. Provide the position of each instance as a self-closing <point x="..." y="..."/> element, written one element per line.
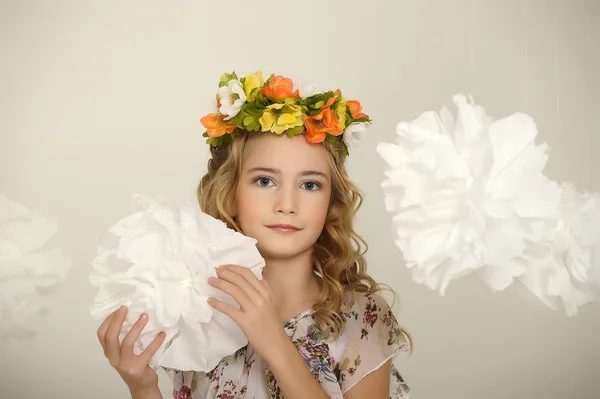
<point x="27" y="270"/>
<point x="467" y="194"/>
<point x="160" y="265"/>
<point x="563" y="272"/>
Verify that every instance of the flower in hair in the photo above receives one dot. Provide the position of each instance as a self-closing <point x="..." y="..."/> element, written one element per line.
<point x="278" y="105"/>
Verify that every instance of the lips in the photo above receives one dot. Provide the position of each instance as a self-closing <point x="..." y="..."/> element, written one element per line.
<point x="284" y="228"/>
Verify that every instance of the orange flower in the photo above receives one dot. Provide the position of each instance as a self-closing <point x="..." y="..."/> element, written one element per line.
<point x="280" y="88"/>
<point x="218" y="101"/>
<point x="216" y="126"/>
<point x="355" y="109"/>
<point x="317" y="126"/>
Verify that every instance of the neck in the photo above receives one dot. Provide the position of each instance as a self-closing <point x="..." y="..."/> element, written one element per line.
<point x="294" y="285"/>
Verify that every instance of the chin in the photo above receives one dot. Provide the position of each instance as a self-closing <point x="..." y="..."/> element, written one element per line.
<point x="274" y="251"/>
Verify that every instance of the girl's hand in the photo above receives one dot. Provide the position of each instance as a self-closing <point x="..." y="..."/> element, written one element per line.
<point x="132" y="368"/>
<point x="257" y="316"/>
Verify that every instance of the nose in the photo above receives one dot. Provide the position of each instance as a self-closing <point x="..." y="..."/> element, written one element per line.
<point x="286" y="200"/>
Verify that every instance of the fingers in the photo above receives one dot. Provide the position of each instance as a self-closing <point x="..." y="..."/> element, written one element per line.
<point x="233" y="280"/>
<point x="248" y="275"/>
<point x="101" y="333"/>
<point x="225" y="308"/>
<point x="232" y="289"/>
<point x="151" y="349"/>
<point x="132" y="336"/>
<point x="112" y="336"/>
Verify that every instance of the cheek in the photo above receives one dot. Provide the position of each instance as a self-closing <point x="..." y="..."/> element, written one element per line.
<point x="245" y="207"/>
<point x="323" y="214"/>
<point x="319" y="208"/>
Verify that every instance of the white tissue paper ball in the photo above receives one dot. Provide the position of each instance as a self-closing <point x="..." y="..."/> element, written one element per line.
<point x="563" y="269"/>
<point x="160" y="265"/>
<point x="467" y="194"/>
<point x="28" y="270"/>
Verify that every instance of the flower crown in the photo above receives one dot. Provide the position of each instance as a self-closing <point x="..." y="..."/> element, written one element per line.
<point x="276" y="105"/>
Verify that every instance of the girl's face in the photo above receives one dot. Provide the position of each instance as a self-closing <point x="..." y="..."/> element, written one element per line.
<point x="283" y="194"/>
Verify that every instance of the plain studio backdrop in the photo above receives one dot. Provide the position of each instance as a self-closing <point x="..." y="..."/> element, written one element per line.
<point x="100" y="99"/>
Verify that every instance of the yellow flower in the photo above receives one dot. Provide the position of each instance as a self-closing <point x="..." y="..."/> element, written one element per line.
<point x="280" y="117"/>
<point x="251" y="82"/>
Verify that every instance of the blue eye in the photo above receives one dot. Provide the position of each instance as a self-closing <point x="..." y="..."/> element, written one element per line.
<point x="263" y="181"/>
<point x="311" y="186"/>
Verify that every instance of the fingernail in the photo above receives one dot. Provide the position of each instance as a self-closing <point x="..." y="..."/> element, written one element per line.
<point x="144" y="316"/>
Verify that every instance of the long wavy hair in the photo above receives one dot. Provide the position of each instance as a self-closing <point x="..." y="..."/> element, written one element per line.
<point x="338" y="254"/>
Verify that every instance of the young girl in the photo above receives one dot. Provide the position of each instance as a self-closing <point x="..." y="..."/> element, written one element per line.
<point x="315" y="324"/>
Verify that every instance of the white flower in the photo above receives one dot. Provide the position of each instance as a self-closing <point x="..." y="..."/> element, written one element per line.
<point x="467" y="195"/>
<point x="308" y="90"/>
<point x="232" y="98"/>
<point x="562" y="271"/>
<point x="354" y="133"/>
<point x="160" y="265"/>
<point x="27" y="270"/>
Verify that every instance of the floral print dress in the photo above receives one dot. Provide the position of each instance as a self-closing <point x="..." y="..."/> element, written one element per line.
<point x="371" y="337"/>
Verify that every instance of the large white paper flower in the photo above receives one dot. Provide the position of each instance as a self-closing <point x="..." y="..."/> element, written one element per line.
<point x="28" y="271"/>
<point x="562" y="270"/>
<point x="467" y="195"/>
<point x="232" y="98"/>
<point x="160" y="266"/>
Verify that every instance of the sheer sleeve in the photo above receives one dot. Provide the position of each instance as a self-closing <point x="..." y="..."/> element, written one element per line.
<point x="186" y="384"/>
<point x="373" y="337"/>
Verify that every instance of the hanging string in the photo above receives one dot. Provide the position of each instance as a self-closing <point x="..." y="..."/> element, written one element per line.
<point x="530" y="311"/>
<point x="556" y="68"/>
<point x="473" y="36"/>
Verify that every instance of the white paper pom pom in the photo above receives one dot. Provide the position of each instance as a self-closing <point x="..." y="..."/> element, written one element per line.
<point x="27" y="271"/>
<point x="160" y="266"/>
<point x="467" y="195"/>
<point x="562" y="270"/>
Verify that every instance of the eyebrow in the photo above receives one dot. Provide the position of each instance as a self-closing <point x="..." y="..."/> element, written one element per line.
<point x="278" y="172"/>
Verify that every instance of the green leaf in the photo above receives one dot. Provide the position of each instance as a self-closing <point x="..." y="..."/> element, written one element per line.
<point x="330" y="138"/>
<point x="252" y="124"/>
<point x="290" y="100"/>
<point x="314" y="103"/>
<point x="249" y="120"/>
<point x="294" y="131"/>
<point x="248" y="117"/>
<point x="337" y="102"/>
<point x="255" y="92"/>
<point x="226" y="78"/>
<point x="269" y="80"/>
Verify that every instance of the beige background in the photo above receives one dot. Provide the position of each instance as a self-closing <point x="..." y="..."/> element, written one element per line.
<point x="102" y="98"/>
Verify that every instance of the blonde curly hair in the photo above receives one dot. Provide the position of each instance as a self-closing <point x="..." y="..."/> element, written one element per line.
<point x="338" y="256"/>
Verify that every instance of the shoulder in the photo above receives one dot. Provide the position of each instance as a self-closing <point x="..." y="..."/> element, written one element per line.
<point x="367" y="310"/>
<point x="370" y="338"/>
<point x="370" y="323"/>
